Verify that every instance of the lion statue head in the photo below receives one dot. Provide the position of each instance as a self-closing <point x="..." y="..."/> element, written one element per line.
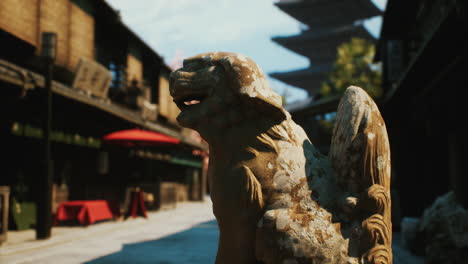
<point x="222" y="89"/>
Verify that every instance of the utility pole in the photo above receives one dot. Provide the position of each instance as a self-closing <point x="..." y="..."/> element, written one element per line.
<point x="44" y="201"/>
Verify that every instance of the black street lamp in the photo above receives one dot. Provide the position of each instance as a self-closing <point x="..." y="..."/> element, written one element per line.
<point x="44" y="202"/>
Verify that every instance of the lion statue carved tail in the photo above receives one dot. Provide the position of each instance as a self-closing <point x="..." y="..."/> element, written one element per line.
<point x="360" y="158"/>
<point x="277" y="200"/>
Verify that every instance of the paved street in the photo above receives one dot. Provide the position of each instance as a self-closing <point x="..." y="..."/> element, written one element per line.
<point x="187" y="234"/>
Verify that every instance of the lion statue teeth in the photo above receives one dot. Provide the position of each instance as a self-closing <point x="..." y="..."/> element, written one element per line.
<point x="275" y="197"/>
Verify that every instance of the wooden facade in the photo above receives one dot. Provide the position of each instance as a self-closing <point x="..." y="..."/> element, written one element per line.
<point x="423" y="50"/>
<point x="168" y="109"/>
<point x="85" y="167"/>
<point x="27" y="19"/>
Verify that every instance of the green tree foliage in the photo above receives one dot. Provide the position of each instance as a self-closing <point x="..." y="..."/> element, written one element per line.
<point x="354" y="66"/>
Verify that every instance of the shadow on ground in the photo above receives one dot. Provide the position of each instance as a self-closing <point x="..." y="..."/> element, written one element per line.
<point x="197" y="245"/>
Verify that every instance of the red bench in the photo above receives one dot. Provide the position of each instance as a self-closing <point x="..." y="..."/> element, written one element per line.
<point x="85" y="212"/>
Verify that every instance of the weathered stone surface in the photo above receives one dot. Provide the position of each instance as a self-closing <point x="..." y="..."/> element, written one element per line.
<point x="443" y="229"/>
<point x="275" y="197"/>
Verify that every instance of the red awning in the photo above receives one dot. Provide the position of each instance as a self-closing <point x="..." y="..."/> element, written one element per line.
<point x="138" y="137"/>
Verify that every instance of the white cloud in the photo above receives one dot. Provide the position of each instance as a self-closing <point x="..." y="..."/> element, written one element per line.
<point x="201" y="22"/>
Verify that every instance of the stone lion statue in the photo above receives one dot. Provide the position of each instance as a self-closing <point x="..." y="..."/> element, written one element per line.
<point x="275" y="197"/>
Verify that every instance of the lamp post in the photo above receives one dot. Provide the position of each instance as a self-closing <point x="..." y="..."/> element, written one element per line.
<point x="44" y="202"/>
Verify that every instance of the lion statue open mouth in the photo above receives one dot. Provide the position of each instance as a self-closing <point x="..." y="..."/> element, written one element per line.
<point x="275" y="197"/>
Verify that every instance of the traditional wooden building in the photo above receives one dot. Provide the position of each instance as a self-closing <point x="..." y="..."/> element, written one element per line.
<point x="319" y="45"/>
<point x="328" y="23"/>
<point x="105" y="79"/>
<point x="423" y="49"/>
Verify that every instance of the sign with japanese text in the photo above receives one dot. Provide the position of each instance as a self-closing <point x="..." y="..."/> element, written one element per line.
<point x="92" y="77"/>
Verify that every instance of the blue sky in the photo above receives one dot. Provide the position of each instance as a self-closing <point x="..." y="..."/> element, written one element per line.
<point x="182" y="28"/>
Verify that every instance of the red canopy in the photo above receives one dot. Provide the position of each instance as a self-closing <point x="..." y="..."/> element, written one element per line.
<point x="138" y="137"/>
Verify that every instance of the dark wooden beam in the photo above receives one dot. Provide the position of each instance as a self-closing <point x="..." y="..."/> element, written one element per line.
<point x="26" y="79"/>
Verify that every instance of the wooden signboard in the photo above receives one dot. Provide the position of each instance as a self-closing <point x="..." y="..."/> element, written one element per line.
<point x="149" y="111"/>
<point x="92" y="77"/>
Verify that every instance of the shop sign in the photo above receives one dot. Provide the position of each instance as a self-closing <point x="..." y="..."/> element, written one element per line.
<point x="26" y="130"/>
<point x="93" y="78"/>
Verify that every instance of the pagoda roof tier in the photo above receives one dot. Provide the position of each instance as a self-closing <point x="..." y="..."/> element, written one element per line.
<point x="309" y="79"/>
<point x="326" y="13"/>
<point x="320" y="46"/>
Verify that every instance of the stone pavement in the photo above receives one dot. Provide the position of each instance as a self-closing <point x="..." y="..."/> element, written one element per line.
<point x="186" y="234"/>
<point x="402" y="255"/>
